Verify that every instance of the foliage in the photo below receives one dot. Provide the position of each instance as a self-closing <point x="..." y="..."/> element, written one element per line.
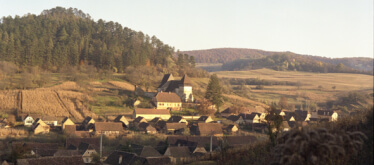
<point x="292" y="62"/>
<point x="283" y="103"/>
<point x="205" y="107"/>
<point x="319" y="146"/>
<point x="60" y="37"/>
<point x="214" y="91"/>
<point x="273" y="123"/>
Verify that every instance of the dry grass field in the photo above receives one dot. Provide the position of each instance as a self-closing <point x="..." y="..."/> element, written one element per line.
<point x="8" y="100"/>
<point x="342" y="81"/>
<point x="122" y="85"/>
<point x="316" y="87"/>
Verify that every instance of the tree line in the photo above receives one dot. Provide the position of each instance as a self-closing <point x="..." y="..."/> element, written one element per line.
<point x="59" y="37"/>
<point x="291" y="62"/>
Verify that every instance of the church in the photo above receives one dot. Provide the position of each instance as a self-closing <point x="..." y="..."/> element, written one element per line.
<point x="183" y="87"/>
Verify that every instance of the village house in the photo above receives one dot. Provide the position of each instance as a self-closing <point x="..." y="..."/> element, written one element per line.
<point x="149" y="114"/>
<point x="145" y="151"/>
<point x="232" y="128"/>
<point x="226" y="113"/>
<point x="89" y="150"/>
<point x="66" y="122"/>
<point x="147" y="128"/>
<point x="261" y="115"/>
<point x="177" y="154"/>
<point x="50" y="120"/>
<point x="205" y="119"/>
<point x="138" y="120"/>
<point x="28" y="121"/>
<point x="159" y="125"/>
<point x="108" y="128"/>
<point x="167" y="100"/>
<point x="175" y="128"/>
<point x="40" y="127"/>
<point x="177" y="119"/>
<point x="87" y="122"/>
<point x="122" y="119"/>
<point x="183" y="87"/>
<point x="236" y="119"/>
<point x="250" y="118"/>
<point x="207" y="129"/>
<point x="281" y="112"/>
<point x="331" y="115"/>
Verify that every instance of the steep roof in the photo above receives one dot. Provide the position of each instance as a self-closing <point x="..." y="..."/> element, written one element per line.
<point x="203" y="118"/>
<point x="65" y="120"/>
<point x="108" y="126"/>
<point x="233" y="118"/>
<point x="139" y="111"/>
<point x="149" y="151"/>
<point x="176" y="126"/>
<point x="138" y="119"/>
<point x="167" y="97"/>
<point x="166" y="78"/>
<point x="172" y="85"/>
<point x="208" y="128"/>
<point x="119" y="158"/>
<point x="179" y="151"/>
<point x="186" y="80"/>
<point x="175" y="119"/>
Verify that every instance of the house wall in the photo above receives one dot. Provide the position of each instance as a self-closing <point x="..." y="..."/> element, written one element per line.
<point x="41" y="129"/>
<point x="334" y="116"/>
<point x="185" y="93"/>
<point x="168" y="105"/>
<point x="152" y="116"/>
<point x="28" y="121"/>
<point x="67" y="122"/>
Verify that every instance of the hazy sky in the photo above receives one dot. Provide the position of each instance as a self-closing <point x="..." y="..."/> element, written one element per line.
<point x="331" y="28"/>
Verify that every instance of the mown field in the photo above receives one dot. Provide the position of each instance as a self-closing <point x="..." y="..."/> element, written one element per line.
<point x="316" y="87"/>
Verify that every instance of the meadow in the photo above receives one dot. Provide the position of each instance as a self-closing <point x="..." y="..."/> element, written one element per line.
<point x="315" y="87"/>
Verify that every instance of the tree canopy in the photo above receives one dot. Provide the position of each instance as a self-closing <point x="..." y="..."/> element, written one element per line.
<point x="60" y="37"/>
<point x="214" y="91"/>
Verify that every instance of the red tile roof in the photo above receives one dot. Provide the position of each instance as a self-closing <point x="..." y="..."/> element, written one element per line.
<point x="168" y="97"/>
<point x="152" y="111"/>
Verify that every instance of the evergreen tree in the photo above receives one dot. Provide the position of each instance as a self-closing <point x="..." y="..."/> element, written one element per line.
<point x="214" y="91"/>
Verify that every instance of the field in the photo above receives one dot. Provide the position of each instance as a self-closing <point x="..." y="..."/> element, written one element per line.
<point x="316" y="87"/>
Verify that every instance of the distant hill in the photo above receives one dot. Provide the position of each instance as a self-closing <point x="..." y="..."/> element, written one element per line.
<point x="244" y="59"/>
<point x="223" y="55"/>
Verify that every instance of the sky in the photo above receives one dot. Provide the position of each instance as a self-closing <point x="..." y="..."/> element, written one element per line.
<point x="333" y="28"/>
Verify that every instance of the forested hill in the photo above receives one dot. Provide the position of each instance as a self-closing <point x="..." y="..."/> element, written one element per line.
<point x="223" y="55"/>
<point x="60" y="37"/>
<point x="291" y="62"/>
<point x="227" y="55"/>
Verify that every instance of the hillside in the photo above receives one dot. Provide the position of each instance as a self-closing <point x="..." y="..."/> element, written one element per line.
<point x="62" y="37"/>
<point x="228" y="55"/>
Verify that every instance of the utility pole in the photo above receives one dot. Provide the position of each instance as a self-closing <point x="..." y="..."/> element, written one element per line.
<point x="211" y="140"/>
<point x="101" y="144"/>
